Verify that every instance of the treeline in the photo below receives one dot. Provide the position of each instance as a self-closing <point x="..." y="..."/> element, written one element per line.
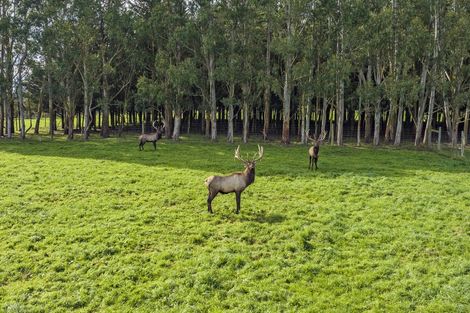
<point x="289" y="67"/>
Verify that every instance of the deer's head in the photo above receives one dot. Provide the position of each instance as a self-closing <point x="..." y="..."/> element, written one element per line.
<point x="159" y="128"/>
<point x="250" y="163"/>
<point x="316" y="141"/>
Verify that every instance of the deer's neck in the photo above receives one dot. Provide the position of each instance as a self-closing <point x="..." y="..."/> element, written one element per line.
<point x="249" y="176"/>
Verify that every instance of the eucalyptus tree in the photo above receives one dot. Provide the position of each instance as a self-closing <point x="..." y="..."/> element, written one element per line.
<point x="454" y="77"/>
<point x="66" y="42"/>
<point x="231" y="59"/>
<point x="88" y="59"/>
<point x="409" y="38"/>
<point x="208" y="23"/>
<point x="8" y="13"/>
<point x="112" y="19"/>
<point x="436" y="9"/>
<point x="251" y="69"/>
<point x="268" y="12"/>
<point x="378" y="23"/>
<point x="175" y="66"/>
<point x="287" y="43"/>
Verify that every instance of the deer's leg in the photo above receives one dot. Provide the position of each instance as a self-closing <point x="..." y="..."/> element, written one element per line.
<point x="238" y="197"/>
<point x="310" y="163"/>
<point x="154" y="145"/>
<point x="209" y="200"/>
<point x="316" y="167"/>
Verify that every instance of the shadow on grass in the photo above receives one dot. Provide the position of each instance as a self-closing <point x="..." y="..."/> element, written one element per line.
<point x="196" y="153"/>
<point x="266" y="218"/>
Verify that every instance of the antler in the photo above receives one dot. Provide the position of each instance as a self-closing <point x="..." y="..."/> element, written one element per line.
<point x="260" y="154"/>
<point x="153" y="124"/>
<point x="164" y="124"/>
<point x="323" y="135"/>
<point x="308" y="136"/>
<point x="237" y="155"/>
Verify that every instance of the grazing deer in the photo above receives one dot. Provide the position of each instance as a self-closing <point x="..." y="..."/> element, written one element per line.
<point x="236" y="182"/>
<point x="315" y="149"/>
<point x="153" y="138"/>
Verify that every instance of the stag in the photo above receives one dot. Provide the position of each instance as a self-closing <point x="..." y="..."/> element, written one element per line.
<point x="236" y="182"/>
<point x="153" y="138"/>
<point x="315" y="149"/>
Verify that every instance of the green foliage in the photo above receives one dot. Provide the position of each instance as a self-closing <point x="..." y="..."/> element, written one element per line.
<point x="99" y="226"/>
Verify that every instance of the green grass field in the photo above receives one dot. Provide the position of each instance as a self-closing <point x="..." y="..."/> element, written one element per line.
<point x="100" y="227"/>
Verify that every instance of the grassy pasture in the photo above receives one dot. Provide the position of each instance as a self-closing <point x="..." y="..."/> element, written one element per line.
<point x="99" y="226"/>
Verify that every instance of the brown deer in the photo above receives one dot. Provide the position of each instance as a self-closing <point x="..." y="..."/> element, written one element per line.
<point x="315" y="149"/>
<point x="153" y="138"/>
<point x="236" y="182"/>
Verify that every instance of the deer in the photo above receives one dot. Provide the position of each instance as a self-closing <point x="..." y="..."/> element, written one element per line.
<point x="235" y="182"/>
<point x="314" y="150"/>
<point x="153" y="138"/>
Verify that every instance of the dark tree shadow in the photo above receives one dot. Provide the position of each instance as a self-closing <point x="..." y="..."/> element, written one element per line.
<point x="197" y="153"/>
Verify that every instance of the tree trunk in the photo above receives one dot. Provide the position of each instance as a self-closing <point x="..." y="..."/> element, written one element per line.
<point x="168" y="120"/>
<point x="302" y="129"/>
<point x="378" y="103"/>
<point x="323" y="115"/>
<point x="212" y="98"/>
<point x="21" y="106"/>
<point x="52" y="116"/>
<point x="105" y="109"/>
<point x="455" y="127"/>
<point x="2" y="113"/>
<point x="432" y="96"/>
<point x="399" y="122"/>
<point x="448" y="118"/>
<point x="340" y="88"/>
<point x="340" y="114"/>
<point x="231" y="95"/>
<point x="39" y="110"/>
<point x="3" y="97"/>
<point x="86" y="103"/>
<point x="246" y="120"/>
<point x="391" y="122"/>
<point x="177" y="126"/>
<point x="308" y="112"/>
<point x="367" y="124"/>
<point x="286" y="108"/>
<point x="267" y="89"/>
<point x="359" y="122"/>
<point x="428" y="129"/>
<point x="465" y="123"/>
<point x="287" y="83"/>
<point x="190" y="115"/>
<point x="9" y="87"/>
<point x="422" y="104"/>
<point x="208" y="124"/>
<point x="390" y="131"/>
<point x="105" y="95"/>
<point x="70" y="109"/>
<point x="377" y="118"/>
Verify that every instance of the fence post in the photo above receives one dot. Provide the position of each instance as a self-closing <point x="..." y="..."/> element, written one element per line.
<point x="439" y="139"/>
<point x="462" y="144"/>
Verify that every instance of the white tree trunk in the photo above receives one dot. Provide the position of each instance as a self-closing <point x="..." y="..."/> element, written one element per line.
<point x="399" y="122"/>
<point x="432" y="96"/>
<point x="177" y="125"/>
<point x="231" y="96"/>
<point x="246" y="124"/>
<point x="212" y="99"/>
